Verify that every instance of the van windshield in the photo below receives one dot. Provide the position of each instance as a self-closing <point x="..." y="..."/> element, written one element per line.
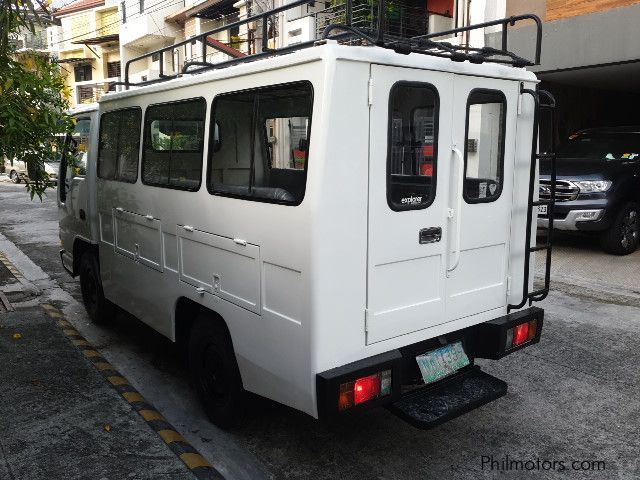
<point x="605" y="146"/>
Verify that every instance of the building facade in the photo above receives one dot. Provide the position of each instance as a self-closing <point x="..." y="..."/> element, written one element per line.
<point x="86" y="45"/>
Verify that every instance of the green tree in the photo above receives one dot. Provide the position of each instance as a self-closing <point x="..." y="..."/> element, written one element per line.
<point x="33" y="103"/>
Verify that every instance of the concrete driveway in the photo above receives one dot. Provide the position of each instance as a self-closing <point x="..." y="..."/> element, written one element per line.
<point x="572" y="410"/>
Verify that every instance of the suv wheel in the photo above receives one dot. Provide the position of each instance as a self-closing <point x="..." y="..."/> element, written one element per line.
<point x="214" y="371"/>
<point x="14" y="177"/>
<point x="97" y="306"/>
<point x="624" y="234"/>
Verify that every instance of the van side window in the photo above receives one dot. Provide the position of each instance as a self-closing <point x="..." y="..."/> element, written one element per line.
<point x="484" y="146"/>
<point x="119" y="145"/>
<point x="173" y="144"/>
<point x="260" y="143"/>
<point x="412" y="146"/>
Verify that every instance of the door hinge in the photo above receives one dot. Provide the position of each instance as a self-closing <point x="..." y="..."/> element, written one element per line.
<point x="366" y="320"/>
<point x="370" y="91"/>
<point x="508" y="286"/>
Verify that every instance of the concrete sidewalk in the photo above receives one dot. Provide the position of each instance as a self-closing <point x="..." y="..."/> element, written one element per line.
<point x="59" y="417"/>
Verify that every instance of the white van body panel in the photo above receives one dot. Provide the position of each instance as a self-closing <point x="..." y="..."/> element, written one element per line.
<point x="307" y="288"/>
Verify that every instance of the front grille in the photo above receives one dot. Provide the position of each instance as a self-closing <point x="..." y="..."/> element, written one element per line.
<point x="564" y="190"/>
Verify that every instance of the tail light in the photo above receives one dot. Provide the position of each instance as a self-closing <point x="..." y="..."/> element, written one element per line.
<point x="521" y="334"/>
<point x="364" y="389"/>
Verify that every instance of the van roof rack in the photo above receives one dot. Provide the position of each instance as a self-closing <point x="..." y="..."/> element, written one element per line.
<point x="423" y="44"/>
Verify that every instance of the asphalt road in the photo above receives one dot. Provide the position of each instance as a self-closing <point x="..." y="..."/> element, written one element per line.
<point x="572" y="398"/>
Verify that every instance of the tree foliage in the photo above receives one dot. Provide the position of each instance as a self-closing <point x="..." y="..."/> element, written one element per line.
<point x="32" y="103"/>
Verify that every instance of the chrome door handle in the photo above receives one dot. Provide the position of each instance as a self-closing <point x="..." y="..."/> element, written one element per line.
<point x="149" y="217"/>
<point x="119" y="209"/>
<point x="430" y="235"/>
<point x="456" y="212"/>
<point x="188" y="228"/>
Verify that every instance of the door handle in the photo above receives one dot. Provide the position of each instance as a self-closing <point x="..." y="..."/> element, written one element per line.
<point x="430" y="235"/>
<point x="455" y="213"/>
<point x="149" y="217"/>
<point x="119" y="209"/>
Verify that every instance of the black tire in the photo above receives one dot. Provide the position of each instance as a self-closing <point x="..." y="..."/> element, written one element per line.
<point x="14" y="176"/>
<point x="624" y="234"/>
<point x="214" y="371"/>
<point x="96" y="305"/>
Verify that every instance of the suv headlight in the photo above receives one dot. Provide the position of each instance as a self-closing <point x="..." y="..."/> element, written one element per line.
<point x="593" y="186"/>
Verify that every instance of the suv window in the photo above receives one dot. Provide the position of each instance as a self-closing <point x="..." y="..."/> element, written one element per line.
<point x="484" y="146"/>
<point x="260" y="143"/>
<point x="412" y="146"/>
<point x="173" y="144"/>
<point x="119" y="145"/>
<point x="606" y="146"/>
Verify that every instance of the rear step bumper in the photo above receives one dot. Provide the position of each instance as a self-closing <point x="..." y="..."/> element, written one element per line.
<point x="467" y="390"/>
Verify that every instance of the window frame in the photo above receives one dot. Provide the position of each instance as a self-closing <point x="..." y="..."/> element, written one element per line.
<point x="254" y="122"/>
<point x="115" y="177"/>
<point x="503" y="134"/>
<point x="146" y="130"/>
<point x="436" y="137"/>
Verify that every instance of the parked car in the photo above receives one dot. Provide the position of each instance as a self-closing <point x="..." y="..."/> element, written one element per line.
<point x="598" y="187"/>
<point x="17" y="170"/>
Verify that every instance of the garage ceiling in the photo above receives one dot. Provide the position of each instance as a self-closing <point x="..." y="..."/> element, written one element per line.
<point x="622" y="76"/>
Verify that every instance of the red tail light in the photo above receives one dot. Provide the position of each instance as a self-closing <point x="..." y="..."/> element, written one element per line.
<point x="364" y="389"/>
<point x="520" y="334"/>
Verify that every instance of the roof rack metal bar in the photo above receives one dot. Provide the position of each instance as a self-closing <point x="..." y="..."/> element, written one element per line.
<point x="421" y="44"/>
<point x="504" y="22"/>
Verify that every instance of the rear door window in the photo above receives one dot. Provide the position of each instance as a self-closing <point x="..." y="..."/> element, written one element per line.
<point x="484" y="146"/>
<point x="412" y="146"/>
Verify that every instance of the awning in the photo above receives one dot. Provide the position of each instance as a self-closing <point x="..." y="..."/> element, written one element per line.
<point x="73" y="60"/>
<point x="98" y="40"/>
<point x="206" y="9"/>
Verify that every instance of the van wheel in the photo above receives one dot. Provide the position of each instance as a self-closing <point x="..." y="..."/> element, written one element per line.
<point x="14" y="177"/>
<point x="91" y="286"/>
<point x="214" y="372"/>
<point x="624" y="234"/>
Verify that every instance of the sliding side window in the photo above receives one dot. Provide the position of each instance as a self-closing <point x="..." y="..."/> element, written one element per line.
<point x="484" y="147"/>
<point x="260" y="143"/>
<point x="119" y="145"/>
<point x="173" y="144"/>
<point x="412" y="149"/>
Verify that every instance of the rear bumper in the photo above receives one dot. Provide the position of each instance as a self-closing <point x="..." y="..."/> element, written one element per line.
<point x="485" y="340"/>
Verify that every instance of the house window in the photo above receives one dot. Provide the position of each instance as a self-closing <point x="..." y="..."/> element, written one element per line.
<point x="260" y="143"/>
<point x="173" y="144"/>
<point x="484" y="164"/>
<point x="113" y="69"/>
<point x="412" y="149"/>
<point x="82" y="73"/>
<point x="119" y="145"/>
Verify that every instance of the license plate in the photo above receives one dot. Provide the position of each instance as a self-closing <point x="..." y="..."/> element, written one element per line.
<point x="542" y="209"/>
<point x="442" y="362"/>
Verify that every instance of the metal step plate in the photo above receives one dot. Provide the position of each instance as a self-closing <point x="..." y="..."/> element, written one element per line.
<point x="449" y="398"/>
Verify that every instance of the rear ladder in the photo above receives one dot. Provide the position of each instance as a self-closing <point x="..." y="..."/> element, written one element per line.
<point x="541" y="293"/>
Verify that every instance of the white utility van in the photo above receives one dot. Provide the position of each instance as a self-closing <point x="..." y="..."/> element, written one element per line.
<point x="335" y="228"/>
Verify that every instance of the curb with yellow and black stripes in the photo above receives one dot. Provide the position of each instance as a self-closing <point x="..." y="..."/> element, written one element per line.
<point x="196" y="463"/>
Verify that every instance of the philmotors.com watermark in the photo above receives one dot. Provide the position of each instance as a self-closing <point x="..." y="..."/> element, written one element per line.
<point x="510" y="464"/>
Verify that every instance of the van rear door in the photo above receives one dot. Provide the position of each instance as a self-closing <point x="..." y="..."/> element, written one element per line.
<point x="484" y="124"/>
<point x="410" y="152"/>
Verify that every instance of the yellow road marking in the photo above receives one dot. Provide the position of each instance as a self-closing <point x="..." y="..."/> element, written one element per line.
<point x="194" y="460"/>
<point x="170" y="436"/>
<point x="133" y="397"/>
<point x="150" y="415"/>
<point x="101" y="365"/>
<point x="117" y="380"/>
<point x="91" y="353"/>
<point x="81" y="343"/>
<point x="70" y="331"/>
